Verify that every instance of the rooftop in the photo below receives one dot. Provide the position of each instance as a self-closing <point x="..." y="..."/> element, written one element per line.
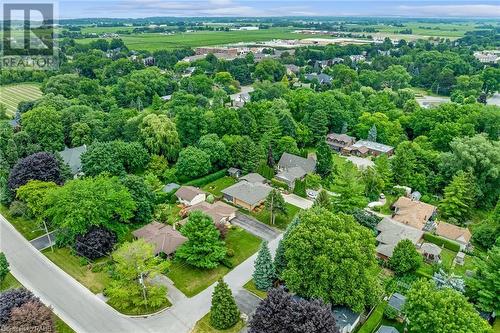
<point x="380" y="147"/>
<point x="288" y="161"/>
<point x="253" y="177"/>
<point x="165" y="238"/>
<point x="251" y="193"/>
<point x="391" y="232"/>
<point x="217" y="211"/>
<point x="453" y="232"/>
<point x="397" y="301"/>
<point x="344" y="316"/>
<point x="413" y="213"/>
<point x="188" y="192"/>
<point x="430" y="248"/>
<point x="72" y="157"/>
<point x="170" y="187"/>
<point x="387" y="329"/>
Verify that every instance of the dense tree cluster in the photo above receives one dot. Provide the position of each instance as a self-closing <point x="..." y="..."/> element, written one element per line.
<point x="95" y="243"/>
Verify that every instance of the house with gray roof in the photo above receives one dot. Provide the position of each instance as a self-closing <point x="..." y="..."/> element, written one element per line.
<point x="292" y="167"/>
<point x="322" y="78"/>
<point x="73" y="158"/>
<point x="391" y="232"/>
<point x="253" y="177"/>
<point x="365" y="147"/>
<point x="387" y="329"/>
<point x="246" y="194"/>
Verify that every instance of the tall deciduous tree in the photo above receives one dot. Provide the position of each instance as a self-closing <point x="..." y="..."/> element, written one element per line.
<point x="135" y="266"/>
<point x="324" y="157"/>
<point x="263" y="274"/>
<point x="275" y="204"/>
<point x="405" y="258"/>
<point x="429" y="309"/>
<point x="44" y="126"/>
<point x="160" y="136"/>
<point x="279" y="256"/>
<point x="193" y="163"/>
<point x="483" y="286"/>
<point x="331" y="257"/>
<point x="224" y="312"/>
<point x="459" y="198"/>
<point x="39" y="166"/>
<point x="204" y="248"/>
<point x="280" y="312"/>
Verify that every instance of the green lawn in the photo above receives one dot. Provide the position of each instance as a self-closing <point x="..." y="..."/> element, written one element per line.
<point x="61" y="326"/>
<point x="496" y="326"/>
<point x="191" y="280"/>
<point x="75" y="266"/>
<point x="447" y="257"/>
<point x="10" y="282"/>
<point x="11" y="95"/>
<point x="203" y="326"/>
<point x="373" y="322"/>
<point x="218" y="185"/>
<point x="141" y="310"/>
<point x="250" y="286"/>
<point x="28" y="228"/>
<point x="281" y="221"/>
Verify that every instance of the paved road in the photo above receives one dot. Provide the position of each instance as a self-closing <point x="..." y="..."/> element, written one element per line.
<point x="254" y="226"/>
<point x="44" y="241"/>
<point x="84" y="311"/>
<point x="297" y="201"/>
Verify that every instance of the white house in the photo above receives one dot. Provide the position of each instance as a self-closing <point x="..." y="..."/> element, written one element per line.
<point x="189" y="195"/>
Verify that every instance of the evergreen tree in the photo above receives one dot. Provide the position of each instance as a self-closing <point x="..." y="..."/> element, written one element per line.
<point x="372" y="134"/>
<point x="275" y="204"/>
<point x="323" y="200"/>
<point x="458" y="198"/>
<point x="279" y="257"/>
<point x="383" y="168"/>
<point x="270" y="158"/>
<point x="264" y="274"/>
<point x="344" y="128"/>
<point x="224" y="312"/>
<point x="300" y="188"/>
<point x="4" y="267"/>
<point x="324" y="156"/>
<point x="484" y="286"/>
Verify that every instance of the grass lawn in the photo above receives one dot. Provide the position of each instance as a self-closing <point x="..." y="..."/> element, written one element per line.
<point x="281" y="221"/>
<point x="447" y="257"/>
<point x="10" y="282"/>
<point x="28" y="228"/>
<point x="78" y="269"/>
<point x="496" y="326"/>
<point x="218" y="185"/>
<point x="61" y="326"/>
<point x="373" y="322"/>
<point x="203" y="326"/>
<point x="141" y="310"/>
<point x="250" y="286"/>
<point x="191" y="280"/>
<point x="11" y="95"/>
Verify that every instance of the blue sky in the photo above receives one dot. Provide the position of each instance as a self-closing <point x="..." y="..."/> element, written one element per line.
<point x="147" y="8"/>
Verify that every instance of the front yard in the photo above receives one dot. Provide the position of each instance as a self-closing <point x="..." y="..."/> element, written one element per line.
<point x="191" y="280"/>
<point x="250" y="286"/>
<point x="218" y="185"/>
<point x="203" y="326"/>
<point x="281" y="221"/>
<point x="28" y="228"/>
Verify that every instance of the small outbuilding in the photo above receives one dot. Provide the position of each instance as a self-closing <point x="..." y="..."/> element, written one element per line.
<point x="254" y="178"/>
<point x="190" y="195"/>
<point x="346" y="320"/>
<point x="234" y="172"/>
<point x="387" y="329"/>
<point x="460" y="258"/>
<point x="170" y="187"/>
<point x="431" y="252"/>
<point x="397" y="301"/>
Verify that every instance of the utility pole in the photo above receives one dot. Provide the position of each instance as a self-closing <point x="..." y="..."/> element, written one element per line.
<point x="48" y="235"/>
<point x="141" y="281"/>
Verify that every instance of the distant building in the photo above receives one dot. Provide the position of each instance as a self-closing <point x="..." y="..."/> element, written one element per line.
<point x="322" y="78"/>
<point x="73" y="158"/>
<point x="149" y="61"/>
<point x="365" y="147"/>
<point x="292" y="167"/>
<point x="190" y="195"/>
<point x="292" y="69"/>
<point x="357" y="58"/>
<point x="339" y="141"/>
<point x="240" y="99"/>
<point x="488" y="56"/>
<point x="413" y="213"/>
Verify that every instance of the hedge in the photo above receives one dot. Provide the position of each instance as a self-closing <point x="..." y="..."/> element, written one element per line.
<point x="448" y="244"/>
<point x="279" y="183"/>
<point x="373" y="322"/>
<point x="199" y="182"/>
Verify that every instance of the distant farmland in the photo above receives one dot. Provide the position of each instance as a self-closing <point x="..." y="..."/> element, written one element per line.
<point x="11" y="95"/>
<point x="156" y="41"/>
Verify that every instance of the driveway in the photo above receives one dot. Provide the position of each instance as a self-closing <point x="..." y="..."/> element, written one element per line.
<point x="255" y="227"/>
<point x="297" y="201"/>
<point x="360" y="162"/>
<point x="43" y="242"/>
<point x="85" y="312"/>
<point x="247" y="302"/>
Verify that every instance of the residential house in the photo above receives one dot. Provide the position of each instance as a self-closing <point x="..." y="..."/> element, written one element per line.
<point x="190" y="195"/>
<point x="170" y="187"/>
<point x="387" y="329"/>
<point x="488" y="56"/>
<point x="391" y="233"/>
<point x="166" y="98"/>
<point x="454" y="233"/>
<point x="292" y="167"/>
<point x="234" y="172"/>
<point x="365" y="147"/>
<point x="397" y="302"/>
<point x="240" y="99"/>
<point x="73" y="158"/>
<point x="431" y="252"/>
<point x="219" y="211"/>
<point x="247" y="195"/>
<point x="322" y="78"/>
<point x="346" y="320"/>
<point x="292" y="69"/>
<point x="357" y="58"/>
<point x="164" y="237"/>
<point x="339" y="141"/>
<point x="253" y="177"/>
<point x="414" y="213"/>
<point x="149" y="61"/>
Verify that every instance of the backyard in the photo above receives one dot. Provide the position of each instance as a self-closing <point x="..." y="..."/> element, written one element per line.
<point x="447" y="257"/>
<point x="218" y="185"/>
<point x="191" y="280"/>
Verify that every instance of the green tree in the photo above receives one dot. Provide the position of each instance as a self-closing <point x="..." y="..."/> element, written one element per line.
<point x="383" y="169"/>
<point x="264" y="274"/>
<point x="33" y="194"/>
<point x="191" y="124"/>
<point x="323" y="200"/>
<point x="349" y="188"/>
<point x="331" y="257"/>
<point x="405" y="258"/>
<point x="160" y="136"/>
<point x="275" y="204"/>
<point x="135" y="267"/>
<point x="216" y="150"/>
<point x="433" y="310"/>
<point x="396" y="77"/>
<point x="299" y="188"/>
<point x="224" y="312"/>
<point x="483" y="286"/>
<point x="44" y="126"/>
<point x="193" y="163"/>
<point x="269" y="70"/>
<point x="279" y="256"/>
<point x="4" y="267"/>
<point x="83" y="203"/>
<point x="204" y="249"/>
<point x="459" y="198"/>
<point x="374" y="184"/>
<point x="324" y="156"/>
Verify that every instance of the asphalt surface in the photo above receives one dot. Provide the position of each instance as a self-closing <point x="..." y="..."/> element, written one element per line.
<point x="254" y="226"/>
<point x="85" y="312"/>
<point x="45" y="241"/>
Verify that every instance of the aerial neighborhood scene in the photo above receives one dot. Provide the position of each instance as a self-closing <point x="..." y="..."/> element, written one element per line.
<point x="227" y="166"/>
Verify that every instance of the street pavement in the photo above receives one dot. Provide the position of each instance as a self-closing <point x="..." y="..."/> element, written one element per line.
<point x="85" y="312"/>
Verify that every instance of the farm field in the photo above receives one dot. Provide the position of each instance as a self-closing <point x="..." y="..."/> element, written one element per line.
<point x="155" y="41"/>
<point x="11" y="95"/>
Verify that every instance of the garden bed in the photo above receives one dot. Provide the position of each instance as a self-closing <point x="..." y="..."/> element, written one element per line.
<point x="250" y="286"/>
<point x="203" y="326"/>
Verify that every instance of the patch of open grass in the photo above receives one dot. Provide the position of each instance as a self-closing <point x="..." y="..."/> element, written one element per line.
<point x="11" y="95"/>
<point x="10" y="282"/>
<point x="30" y="229"/>
<point x="250" y="286"/>
<point x="218" y="185"/>
<point x="373" y="322"/>
<point x="142" y="310"/>
<point x="192" y="280"/>
<point x="79" y="269"/>
<point x="61" y="326"/>
<point x="203" y="326"/>
<point x="281" y="221"/>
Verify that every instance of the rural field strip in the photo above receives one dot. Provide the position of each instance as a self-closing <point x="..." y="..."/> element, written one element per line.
<point x="10" y="96"/>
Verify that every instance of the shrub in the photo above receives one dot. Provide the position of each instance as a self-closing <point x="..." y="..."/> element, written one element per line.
<point x="207" y="179"/>
<point x="96" y="243"/>
<point x="300" y="188"/>
<point x="390" y="313"/>
<point x="279" y="183"/>
<point x="450" y="245"/>
<point x="12" y="299"/>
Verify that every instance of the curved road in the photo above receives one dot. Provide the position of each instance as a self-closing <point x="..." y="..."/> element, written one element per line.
<point x="84" y="311"/>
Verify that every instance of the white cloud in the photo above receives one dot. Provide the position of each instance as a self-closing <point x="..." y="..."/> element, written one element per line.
<point x="465" y="10"/>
